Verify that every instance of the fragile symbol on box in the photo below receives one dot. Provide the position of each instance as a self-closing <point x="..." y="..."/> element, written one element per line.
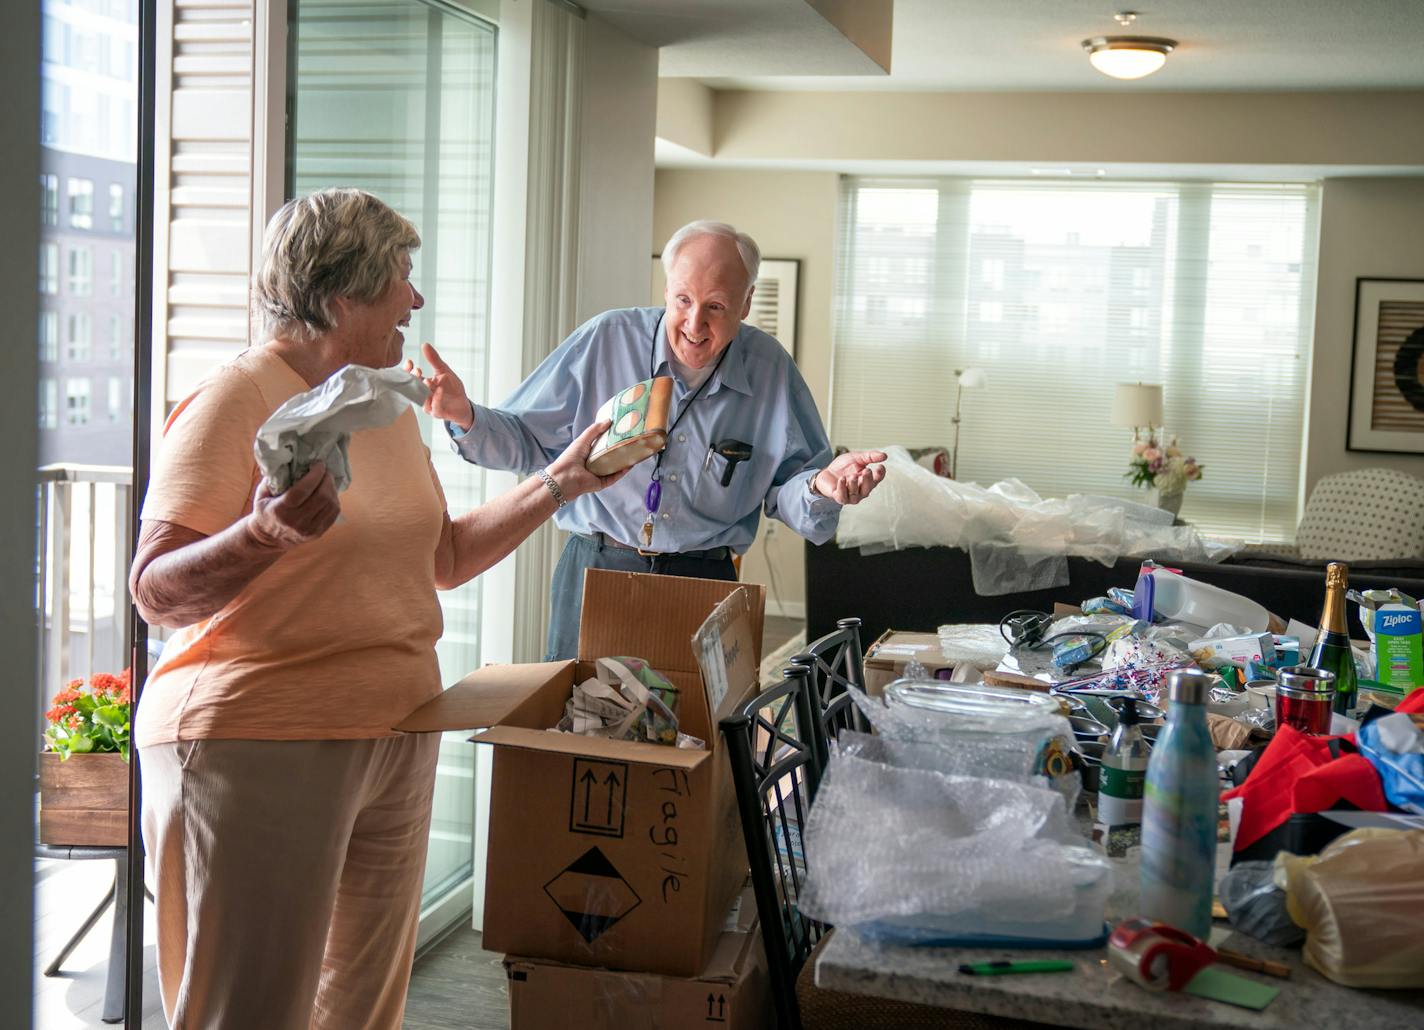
<point x="599" y="798"/>
<point x="592" y="894"/>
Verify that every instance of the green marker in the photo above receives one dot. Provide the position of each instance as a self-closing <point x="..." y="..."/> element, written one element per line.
<point x="1004" y="966"/>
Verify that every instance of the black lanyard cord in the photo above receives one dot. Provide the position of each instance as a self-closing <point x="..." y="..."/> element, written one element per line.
<point x="652" y="371"/>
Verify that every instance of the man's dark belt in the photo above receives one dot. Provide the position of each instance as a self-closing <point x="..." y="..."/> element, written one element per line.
<point x="711" y="554"/>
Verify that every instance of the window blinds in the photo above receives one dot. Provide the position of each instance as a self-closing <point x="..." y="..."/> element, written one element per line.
<point x="1058" y="292"/>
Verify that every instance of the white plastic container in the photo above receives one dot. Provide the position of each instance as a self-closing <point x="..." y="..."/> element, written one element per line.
<point x="1179" y="598"/>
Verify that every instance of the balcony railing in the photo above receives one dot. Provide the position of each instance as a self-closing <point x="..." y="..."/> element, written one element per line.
<point x="81" y="595"/>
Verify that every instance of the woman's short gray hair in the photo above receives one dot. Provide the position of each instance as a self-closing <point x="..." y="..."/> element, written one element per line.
<point x="746" y="246"/>
<point x="333" y="243"/>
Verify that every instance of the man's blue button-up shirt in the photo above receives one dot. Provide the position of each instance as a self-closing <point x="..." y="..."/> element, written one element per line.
<point x="757" y="396"/>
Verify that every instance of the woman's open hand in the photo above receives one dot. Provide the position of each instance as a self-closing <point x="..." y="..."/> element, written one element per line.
<point x="448" y="400"/>
<point x="570" y="469"/>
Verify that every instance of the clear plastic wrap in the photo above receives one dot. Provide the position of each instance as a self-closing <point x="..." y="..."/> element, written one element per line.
<point x="1016" y="540"/>
<point x="916" y="855"/>
<point x="1014" y="734"/>
<point x="974" y="644"/>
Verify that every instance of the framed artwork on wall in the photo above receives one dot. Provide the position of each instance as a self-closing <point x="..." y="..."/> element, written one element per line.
<point x="1387" y="367"/>
<point x="775" y="301"/>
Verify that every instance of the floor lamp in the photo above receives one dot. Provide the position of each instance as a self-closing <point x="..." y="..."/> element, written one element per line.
<point x="964" y="379"/>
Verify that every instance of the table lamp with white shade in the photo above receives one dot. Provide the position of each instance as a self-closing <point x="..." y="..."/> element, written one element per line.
<point x="1137" y="406"/>
<point x="965" y="379"/>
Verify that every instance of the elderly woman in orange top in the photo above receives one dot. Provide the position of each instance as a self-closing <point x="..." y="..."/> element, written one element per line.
<point x="285" y="820"/>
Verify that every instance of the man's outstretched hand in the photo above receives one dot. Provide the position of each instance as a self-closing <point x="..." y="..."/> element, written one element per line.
<point x="850" y="478"/>
<point x="448" y="400"/>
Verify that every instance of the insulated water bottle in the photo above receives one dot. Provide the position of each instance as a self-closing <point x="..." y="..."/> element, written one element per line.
<point x="1179" y="812"/>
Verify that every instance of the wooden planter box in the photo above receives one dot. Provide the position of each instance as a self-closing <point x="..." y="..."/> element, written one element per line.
<point x="84" y="800"/>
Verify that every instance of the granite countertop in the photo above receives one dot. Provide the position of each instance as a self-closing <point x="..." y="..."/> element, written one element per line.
<point x="1096" y="997"/>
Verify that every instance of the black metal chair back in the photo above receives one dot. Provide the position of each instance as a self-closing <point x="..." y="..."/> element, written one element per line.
<point x="833" y="664"/>
<point x="771" y="742"/>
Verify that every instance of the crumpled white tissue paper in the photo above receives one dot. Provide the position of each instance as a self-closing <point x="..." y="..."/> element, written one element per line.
<point x="317" y="425"/>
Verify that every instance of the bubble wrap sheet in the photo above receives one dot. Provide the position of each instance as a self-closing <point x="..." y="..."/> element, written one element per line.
<point x="1016" y="540"/>
<point x="884" y="841"/>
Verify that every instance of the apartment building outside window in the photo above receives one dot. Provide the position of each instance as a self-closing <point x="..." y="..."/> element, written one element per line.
<point x="116" y="274"/>
<point x="81" y="203"/>
<point x="49" y="199"/>
<point x="81" y="271"/>
<point x="49" y="267"/>
<point x="49" y="336"/>
<point x="49" y="404"/>
<point x="77" y="339"/>
<point x="116" y="407"/>
<point x="76" y="402"/>
<point x="116" y="207"/>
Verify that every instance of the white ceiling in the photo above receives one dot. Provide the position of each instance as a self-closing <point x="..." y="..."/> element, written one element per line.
<point x="737" y="37"/>
<point x="1008" y="45"/>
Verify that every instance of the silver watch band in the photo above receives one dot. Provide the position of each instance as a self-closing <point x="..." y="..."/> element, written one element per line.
<point x="553" y="486"/>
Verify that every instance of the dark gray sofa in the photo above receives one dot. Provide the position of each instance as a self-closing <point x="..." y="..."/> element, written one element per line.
<point x="921" y="588"/>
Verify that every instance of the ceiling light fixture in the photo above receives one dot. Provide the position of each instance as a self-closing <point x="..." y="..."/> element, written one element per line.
<point x="1128" y="57"/>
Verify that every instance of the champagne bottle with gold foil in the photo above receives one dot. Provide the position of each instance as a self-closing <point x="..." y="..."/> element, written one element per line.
<point x="1332" y="646"/>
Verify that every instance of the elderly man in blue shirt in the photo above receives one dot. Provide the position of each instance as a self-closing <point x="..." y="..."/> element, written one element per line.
<point x="687" y="510"/>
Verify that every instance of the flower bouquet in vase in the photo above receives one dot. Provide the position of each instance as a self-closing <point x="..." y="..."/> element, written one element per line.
<point x="1161" y="468"/>
<point x="84" y="773"/>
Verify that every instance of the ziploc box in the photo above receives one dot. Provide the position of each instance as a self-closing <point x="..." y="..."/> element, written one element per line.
<point x="614" y="853"/>
<point x="1398" y="660"/>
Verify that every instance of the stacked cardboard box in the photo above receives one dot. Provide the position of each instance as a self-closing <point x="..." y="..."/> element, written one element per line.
<point x="608" y="855"/>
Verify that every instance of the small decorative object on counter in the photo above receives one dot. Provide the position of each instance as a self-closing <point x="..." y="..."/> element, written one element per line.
<point x="1332" y="650"/>
<point x="1179" y="811"/>
<point x="1304" y="698"/>
<point x="1120" y="784"/>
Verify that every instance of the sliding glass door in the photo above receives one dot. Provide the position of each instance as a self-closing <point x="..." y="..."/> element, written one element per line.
<point x="397" y="97"/>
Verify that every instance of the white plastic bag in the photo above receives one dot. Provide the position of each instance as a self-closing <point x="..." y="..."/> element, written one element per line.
<point x="317" y="425"/>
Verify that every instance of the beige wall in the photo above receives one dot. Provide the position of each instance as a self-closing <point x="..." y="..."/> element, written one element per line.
<point x="1372" y="228"/>
<point x="619" y="110"/>
<point x="1347" y="129"/>
<point x="791" y="215"/>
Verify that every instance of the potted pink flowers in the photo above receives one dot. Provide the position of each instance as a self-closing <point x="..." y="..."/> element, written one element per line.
<point x="1162" y="469"/>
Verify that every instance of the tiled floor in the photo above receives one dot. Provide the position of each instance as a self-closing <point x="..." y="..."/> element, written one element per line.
<point x="65" y="892"/>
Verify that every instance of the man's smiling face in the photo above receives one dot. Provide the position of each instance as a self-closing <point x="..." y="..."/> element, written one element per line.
<point x="707" y="298"/>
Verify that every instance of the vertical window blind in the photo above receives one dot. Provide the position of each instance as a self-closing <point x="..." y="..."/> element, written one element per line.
<point x="1060" y="291"/>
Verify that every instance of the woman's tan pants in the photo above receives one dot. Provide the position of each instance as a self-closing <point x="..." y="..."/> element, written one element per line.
<point x="288" y="878"/>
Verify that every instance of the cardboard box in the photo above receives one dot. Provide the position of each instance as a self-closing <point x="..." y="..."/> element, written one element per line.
<point x="732" y="993"/>
<point x="608" y="853"/>
<point x="885" y="660"/>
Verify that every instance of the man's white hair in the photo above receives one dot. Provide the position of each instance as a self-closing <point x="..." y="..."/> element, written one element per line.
<point x="746" y="246"/>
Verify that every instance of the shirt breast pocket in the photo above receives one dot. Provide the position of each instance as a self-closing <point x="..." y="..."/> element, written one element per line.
<point x="735" y="501"/>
